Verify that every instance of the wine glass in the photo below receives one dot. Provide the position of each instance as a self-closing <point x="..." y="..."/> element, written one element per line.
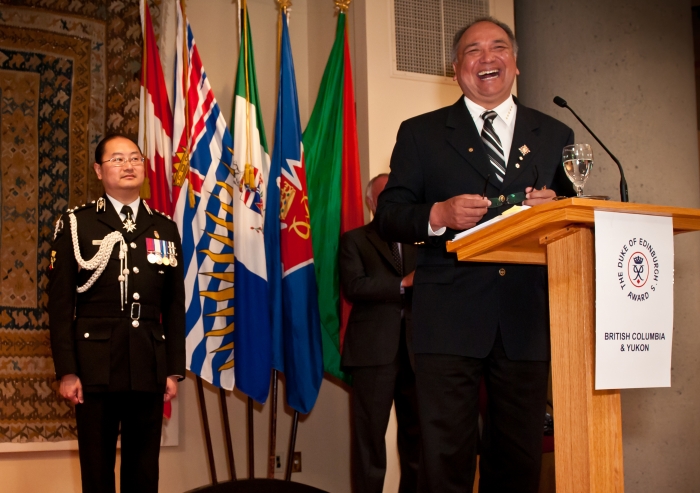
<point x="578" y="162"/>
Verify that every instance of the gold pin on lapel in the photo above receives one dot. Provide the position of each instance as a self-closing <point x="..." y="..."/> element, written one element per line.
<point x="524" y="150"/>
<point x="155" y="233"/>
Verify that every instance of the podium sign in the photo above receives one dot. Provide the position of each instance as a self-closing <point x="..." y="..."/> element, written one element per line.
<point x="634" y="300"/>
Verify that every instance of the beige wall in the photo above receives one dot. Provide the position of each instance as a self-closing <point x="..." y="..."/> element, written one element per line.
<point x="634" y="85"/>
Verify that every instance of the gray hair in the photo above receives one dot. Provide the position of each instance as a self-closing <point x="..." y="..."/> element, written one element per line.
<point x="458" y="35"/>
<point x="368" y="188"/>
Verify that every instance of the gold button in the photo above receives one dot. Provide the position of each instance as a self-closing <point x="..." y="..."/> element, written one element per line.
<point x="132" y="245"/>
<point x="517" y="165"/>
<point x="471" y="149"/>
<point x="502" y="198"/>
<point x="137" y="296"/>
<point x="502" y="271"/>
<point x="163" y="336"/>
<point x="136" y="270"/>
<point x="135" y="323"/>
<point x="87" y="334"/>
<point x="521" y="158"/>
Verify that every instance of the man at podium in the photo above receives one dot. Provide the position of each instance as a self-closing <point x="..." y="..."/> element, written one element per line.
<point x="450" y="170"/>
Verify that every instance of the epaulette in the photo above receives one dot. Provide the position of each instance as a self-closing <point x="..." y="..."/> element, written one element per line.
<point x="79" y="207"/>
<point x="148" y="209"/>
<point x="163" y="214"/>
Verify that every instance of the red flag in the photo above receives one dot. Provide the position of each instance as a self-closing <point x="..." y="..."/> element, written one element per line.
<point x="155" y="122"/>
<point x="351" y="214"/>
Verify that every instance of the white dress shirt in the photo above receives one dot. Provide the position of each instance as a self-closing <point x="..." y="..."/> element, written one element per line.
<point x="503" y="124"/>
<point x="118" y="206"/>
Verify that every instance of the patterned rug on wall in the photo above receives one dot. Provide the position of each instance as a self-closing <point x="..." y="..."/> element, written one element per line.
<point x="68" y="76"/>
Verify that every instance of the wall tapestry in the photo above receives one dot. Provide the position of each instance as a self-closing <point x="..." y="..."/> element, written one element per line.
<point x="69" y="75"/>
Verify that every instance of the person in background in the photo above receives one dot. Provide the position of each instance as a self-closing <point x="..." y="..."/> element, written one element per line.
<point x="377" y="278"/>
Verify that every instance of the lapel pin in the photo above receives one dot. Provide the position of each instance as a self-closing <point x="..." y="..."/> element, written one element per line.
<point x="101" y="204"/>
<point x="524" y="150"/>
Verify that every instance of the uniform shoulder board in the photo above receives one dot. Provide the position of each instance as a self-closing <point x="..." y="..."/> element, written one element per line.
<point x="79" y="208"/>
<point x="164" y="214"/>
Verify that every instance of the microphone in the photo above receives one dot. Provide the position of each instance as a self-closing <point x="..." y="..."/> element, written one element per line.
<point x="623" y="183"/>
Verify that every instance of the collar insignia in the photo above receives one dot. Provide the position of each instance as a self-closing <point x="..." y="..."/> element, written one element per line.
<point x="524" y="150"/>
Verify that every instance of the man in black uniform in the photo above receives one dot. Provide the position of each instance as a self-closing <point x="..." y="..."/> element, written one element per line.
<point x="377" y="277"/>
<point x="117" y="321"/>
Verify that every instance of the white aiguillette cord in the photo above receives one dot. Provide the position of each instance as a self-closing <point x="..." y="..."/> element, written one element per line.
<point x="98" y="263"/>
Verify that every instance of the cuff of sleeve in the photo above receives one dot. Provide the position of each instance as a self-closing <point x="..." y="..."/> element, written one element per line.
<point x="439" y="232"/>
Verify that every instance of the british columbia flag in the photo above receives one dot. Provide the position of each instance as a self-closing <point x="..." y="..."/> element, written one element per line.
<point x="203" y="209"/>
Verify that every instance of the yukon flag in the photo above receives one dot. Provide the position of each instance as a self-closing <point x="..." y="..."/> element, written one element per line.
<point x="155" y="122"/>
<point x="251" y="166"/>
<point x="296" y="328"/>
<point x="203" y="201"/>
<point x="335" y="195"/>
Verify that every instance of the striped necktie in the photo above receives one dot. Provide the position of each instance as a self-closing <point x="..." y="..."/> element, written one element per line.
<point x="493" y="146"/>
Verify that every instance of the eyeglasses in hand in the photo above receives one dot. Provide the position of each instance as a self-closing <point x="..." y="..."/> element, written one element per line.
<point x="513" y="198"/>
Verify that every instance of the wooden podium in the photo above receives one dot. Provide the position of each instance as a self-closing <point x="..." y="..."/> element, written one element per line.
<point x="587" y="422"/>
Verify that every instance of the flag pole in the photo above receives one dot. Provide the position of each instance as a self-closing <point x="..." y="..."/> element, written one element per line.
<point x="251" y="442"/>
<point x="207" y="432"/>
<point x="248" y="160"/>
<point x="272" y="447"/>
<point x="227" y="433"/>
<point x="292" y="445"/>
<point x="272" y="459"/>
<point x="145" y="192"/>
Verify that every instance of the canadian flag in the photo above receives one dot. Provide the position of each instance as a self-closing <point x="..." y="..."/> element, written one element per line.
<point x="155" y="129"/>
<point x="155" y="122"/>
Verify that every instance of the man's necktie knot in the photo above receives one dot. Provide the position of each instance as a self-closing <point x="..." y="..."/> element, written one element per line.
<point x="489" y="116"/>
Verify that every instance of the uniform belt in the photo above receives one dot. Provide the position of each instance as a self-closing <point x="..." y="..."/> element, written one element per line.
<point x="109" y="310"/>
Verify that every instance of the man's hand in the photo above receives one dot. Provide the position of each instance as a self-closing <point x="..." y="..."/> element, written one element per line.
<point x="537" y="197"/>
<point x="460" y="212"/>
<point x="71" y="388"/>
<point x="407" y="281"/>
<point x="170" y="389"/>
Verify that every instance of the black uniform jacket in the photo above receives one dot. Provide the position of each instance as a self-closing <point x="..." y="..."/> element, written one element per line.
<point x="91" y="335"/>
<point x="459" y="306"/>
<point x="371" y="282"/>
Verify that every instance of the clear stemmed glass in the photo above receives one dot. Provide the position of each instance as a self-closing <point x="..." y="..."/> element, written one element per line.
<point x="578" y="162"/>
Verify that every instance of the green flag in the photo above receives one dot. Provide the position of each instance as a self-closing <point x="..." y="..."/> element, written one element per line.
<point x="335" y="196"/>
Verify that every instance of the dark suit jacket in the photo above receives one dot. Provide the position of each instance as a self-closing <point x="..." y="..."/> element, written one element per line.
<point x="90" y="335"/>
<point x="458" y="306"/>
<point x="371" y="283"/>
